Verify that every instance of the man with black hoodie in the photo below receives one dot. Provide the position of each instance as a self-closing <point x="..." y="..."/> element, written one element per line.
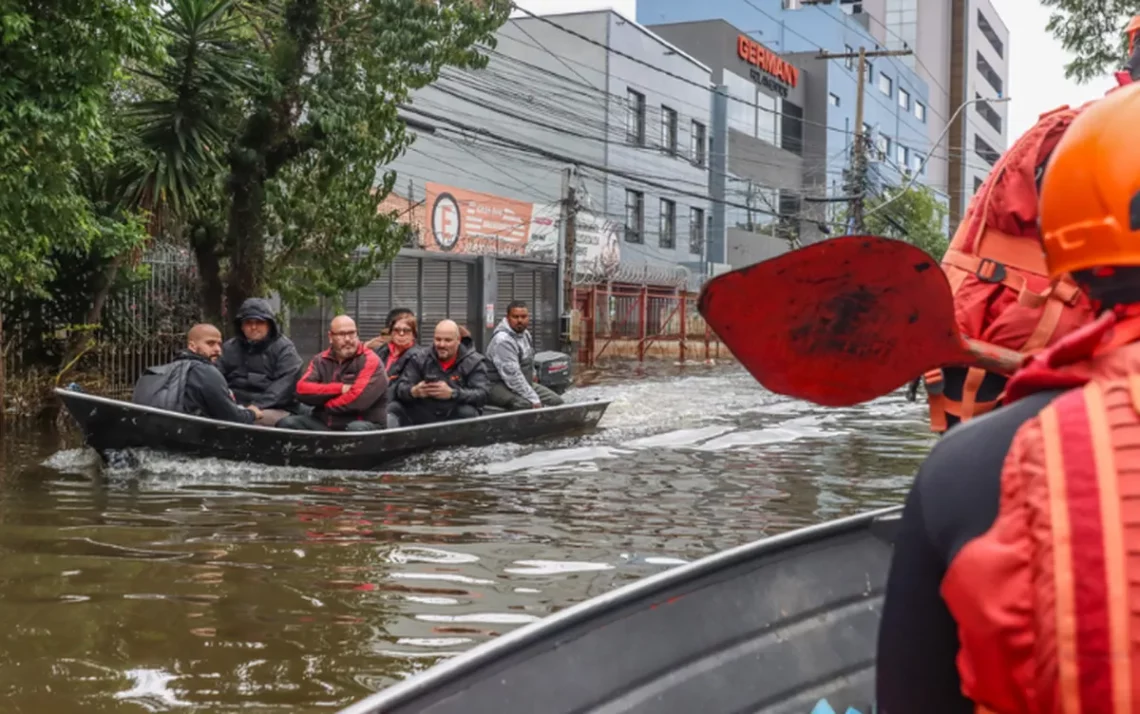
<point x="260" y="364"/>
<point x="192" y="384"/>
<point x="446" y="382"/>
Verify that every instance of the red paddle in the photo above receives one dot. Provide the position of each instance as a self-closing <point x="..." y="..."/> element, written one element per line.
<point x="843" y="321"/>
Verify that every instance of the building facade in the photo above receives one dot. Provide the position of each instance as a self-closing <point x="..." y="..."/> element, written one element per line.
<point x="960" y="53"/>
<point x="788" y="124"/>
<point x="591" y="89"/>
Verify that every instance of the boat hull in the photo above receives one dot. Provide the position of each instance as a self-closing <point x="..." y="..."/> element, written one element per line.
<point x="113" y="425"/>
<point x="779" y="626"/>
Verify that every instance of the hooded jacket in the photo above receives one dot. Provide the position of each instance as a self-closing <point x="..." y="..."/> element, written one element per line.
<point x="511" y="357"/>
<point x="261" y="373"/>
<point x="467" y="377"/>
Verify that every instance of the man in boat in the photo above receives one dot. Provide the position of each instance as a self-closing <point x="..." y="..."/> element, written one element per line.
<point x="514" y="383"/>
<point x="448" y="381"/>
<point x="346" y="385"/>
<point x="1012" y="586"/>
<point x="260" y="364"/>
<point x="192" y="383"/>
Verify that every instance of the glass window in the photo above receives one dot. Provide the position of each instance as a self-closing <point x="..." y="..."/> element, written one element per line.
<point x="900" y="155"/>
<point x="833" y="100"/>
<point x="696" y="231"/>
<point x="669" y="129"/>
<point x="741" y="103"/>
<point x="920" y="111"/>
<point x="634" y="216"/>
<point x="698" y="138"/>
<point x="849" y="62"/>
<point x="885" y="84"/>
<point x="904" y="99"/>
<point x="635" y="117"/>
<point x="767" y="119"/>
<point x="667" y="233"/>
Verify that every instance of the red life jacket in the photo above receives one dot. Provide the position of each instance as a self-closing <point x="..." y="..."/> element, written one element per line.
<point x="1045" y="600"/>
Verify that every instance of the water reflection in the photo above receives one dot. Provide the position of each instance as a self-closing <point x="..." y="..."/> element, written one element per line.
<point x="216" y="585"/>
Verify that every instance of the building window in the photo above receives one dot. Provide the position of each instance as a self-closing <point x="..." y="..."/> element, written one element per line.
<point x="667" y="234"/>
<point x="791" y="127"/>
<point x="989" y="73"/>
<point x="792" y="4"/>
<point x="635" y="118"/>
<point x="920" y="111"/>
<point x="833" y="100"/>
<point x="984" y="150"/>
<point x="767" y="119"/>
<point x="741" y="103"/>
<point x="883" y="144"/>
<point x="904" y="99"/>
<point x="988" y="113"/>
<point x="698" y="139"/>
<point x="869" y="71"/>
<point x="977" y="184"/>
<point x="849" y="62"/>
<point x="900" y="155"/>
<point x="696" y="231"/>
<point x="916" y="163"/>
<point x="788" y="223"/>
<point x="669" y="130"/>
<point x="988" y="30"/>
<point x="885" y="84"/>
<point x="634" y="216"/>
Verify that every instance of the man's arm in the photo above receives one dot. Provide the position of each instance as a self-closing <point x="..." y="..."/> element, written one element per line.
<point x="409" y="377"/>
<point x="505" y="357"/>
<point x="283" y="378"/>
<point x="215" y="395"/>
<point x="316" y="393"/>
<point x="475" y="387"/>
<point x="917" y="667"/>
<point x="369" y="386"/>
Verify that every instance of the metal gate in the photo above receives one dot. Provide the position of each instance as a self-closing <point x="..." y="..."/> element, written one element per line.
<point x="436" y="288"/>
<point x="537" y="285"/>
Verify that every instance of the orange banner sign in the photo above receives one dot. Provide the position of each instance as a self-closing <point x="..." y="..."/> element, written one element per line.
<point x="462" y="221"/>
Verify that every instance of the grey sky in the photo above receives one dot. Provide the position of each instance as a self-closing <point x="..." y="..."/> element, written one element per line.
<point x="1037" y="75"/>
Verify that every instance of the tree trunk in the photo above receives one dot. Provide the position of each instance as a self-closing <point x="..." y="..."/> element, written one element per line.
<point x="3" y="375"/>
<point x="244" y="236"/>
<point x="204" y="241"/>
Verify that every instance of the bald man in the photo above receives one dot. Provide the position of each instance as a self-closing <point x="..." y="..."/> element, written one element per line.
<point x="346" y="385"/>
<point x="192" y="383"/>
<point x="449" y="381"/>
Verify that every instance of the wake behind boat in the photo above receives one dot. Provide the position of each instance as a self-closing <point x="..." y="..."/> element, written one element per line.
<point x="784" y="625"/>
<point x="113" y="425"/>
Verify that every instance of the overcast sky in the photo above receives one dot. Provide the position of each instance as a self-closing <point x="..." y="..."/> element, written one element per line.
<point x="1037" y="76"/>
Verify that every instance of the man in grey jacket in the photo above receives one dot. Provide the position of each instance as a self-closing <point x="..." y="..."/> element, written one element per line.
<point x="510" y="365"/>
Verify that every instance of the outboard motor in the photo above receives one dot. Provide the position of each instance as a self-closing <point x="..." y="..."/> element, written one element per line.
<point x="553" y="370"/>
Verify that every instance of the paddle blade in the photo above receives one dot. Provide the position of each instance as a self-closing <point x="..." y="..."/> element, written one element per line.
<point x="838" y="322"/>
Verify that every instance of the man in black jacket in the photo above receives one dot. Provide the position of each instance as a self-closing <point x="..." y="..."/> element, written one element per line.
<point x="192" y="384"/>
<point x="446" y="382"/>
<point x="261" y="365"/>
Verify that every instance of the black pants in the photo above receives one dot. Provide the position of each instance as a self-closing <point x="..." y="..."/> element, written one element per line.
<point x="422" y="411"/>
<point x="502" y="397"/>
<point x="304" y="422"/>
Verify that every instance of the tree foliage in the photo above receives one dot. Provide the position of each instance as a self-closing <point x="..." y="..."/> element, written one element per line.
<point x="271" y="123"/>
<point x="60" y="61"/>
<point x="1093" y="31"/>
<point x="913" y="214"/>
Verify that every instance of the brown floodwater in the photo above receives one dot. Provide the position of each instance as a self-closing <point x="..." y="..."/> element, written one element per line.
<point x="212" y="586"/>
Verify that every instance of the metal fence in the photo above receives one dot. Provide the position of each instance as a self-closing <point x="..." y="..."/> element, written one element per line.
<point x="142" y="324"/>
<point x="642" y="322"/>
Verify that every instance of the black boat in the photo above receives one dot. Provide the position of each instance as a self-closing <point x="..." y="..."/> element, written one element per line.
<point x="114" y="425"/>
<point x="785" y="625"/>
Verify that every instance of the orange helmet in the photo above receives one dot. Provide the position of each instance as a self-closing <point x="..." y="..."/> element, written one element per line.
<point x="1090" y="194"/>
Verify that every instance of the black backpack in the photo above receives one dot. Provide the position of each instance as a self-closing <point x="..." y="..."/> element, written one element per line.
<point x="164" y="386"/>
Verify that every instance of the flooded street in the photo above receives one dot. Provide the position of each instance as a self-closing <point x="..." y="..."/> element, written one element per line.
<point x="208" y="585"/>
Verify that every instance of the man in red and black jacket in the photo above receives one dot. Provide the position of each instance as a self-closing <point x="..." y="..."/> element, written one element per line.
<point x="346" y="385"/>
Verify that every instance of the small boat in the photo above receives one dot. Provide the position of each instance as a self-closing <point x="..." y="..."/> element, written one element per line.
<point x="114" y="425"/>
<point x="785" y="625"/>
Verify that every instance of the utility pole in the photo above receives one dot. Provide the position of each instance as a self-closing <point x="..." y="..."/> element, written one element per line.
<point x="859" y="149"/>
<point x="567" y="250"/>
